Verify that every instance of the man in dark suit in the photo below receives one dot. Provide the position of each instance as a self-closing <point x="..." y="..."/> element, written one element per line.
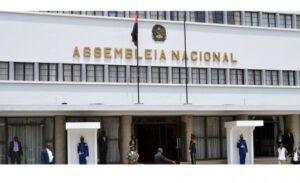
<point x="289" y="141"/>
<point x="15" y="151"/>
<point x="102" y="143"/>
<point x="47" y="156"/>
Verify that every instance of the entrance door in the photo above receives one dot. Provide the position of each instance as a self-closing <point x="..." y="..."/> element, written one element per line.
<point x="31" y="138"/>
<point x="152" y="136"/>
<point x="264" y="143"/>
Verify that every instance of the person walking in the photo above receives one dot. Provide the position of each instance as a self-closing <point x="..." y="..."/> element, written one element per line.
<point x="282" y="154"/>
<point x="47" y="155"/>
<point x="192" y="148"/>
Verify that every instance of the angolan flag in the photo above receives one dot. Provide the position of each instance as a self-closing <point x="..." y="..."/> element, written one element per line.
<point x="134" y="33"/>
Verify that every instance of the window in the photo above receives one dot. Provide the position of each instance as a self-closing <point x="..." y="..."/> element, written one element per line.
<point x="76" y="12"/>
<point x="236" y="77"/>
<point x="254" y="77"/>
<point x="94" y="73"/>
<point x="269" y="20"/>
<point x="159" y="74"/>
<point x="199" y="76"/>
<point x="215" y="17"/>
<point x="90" y="12"/>
<point x="141" y="14"/>
<point x="158" y="15"/>
<point x="288" y="78"/>
<point x="72" y="72"/>
<point x="285" y="21"/>
<point x="197" y="16"/>
<point x="177" y="15"/>
<point x="4" y="70"/>
<point x="117" y="73"/>
<point x="218" y="76"/>
<point x="298" y="21"/>
<point x="234" y="17"/>
<point x="179" y="75"/>
<point x="99" y="13"/>
<point x="272" y="78"/>
<point x="24" y="71"/>
<point x="143" y="74"/>
<point x="251" y="18"/>
<point x="116" y="13"/>
<point x="48" y="72"/>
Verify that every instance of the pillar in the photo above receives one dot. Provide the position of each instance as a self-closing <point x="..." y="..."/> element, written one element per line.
<point x="188" y="130"/>
<point x="125" y="125"/>
<point x="60" y="144"/>
<point x="243" y="117"/>
<point x="294" y="126"/>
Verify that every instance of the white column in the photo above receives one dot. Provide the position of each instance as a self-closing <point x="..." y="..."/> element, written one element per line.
<point x="60" y="140"/>
<point x="188" y="121"/>
<point x="125" y="126"/>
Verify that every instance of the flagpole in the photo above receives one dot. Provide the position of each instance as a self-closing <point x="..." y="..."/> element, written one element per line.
<point x="185" y="61"/>
<point x="137" y="63"/>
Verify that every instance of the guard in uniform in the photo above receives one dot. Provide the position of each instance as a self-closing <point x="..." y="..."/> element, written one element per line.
<point x="83" y="151"/>
<point x="242" y="145"/>
<point x="192" y="148"/>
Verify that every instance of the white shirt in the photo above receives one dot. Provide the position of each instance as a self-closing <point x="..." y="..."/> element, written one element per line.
<point x="281" y="154"/>
<point x="50" y="155"/>
<point x="295" y="157"/>
<point x="16" y="147"/>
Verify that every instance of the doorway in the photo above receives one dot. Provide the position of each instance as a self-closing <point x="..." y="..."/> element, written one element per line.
<point x="152" y="133"/>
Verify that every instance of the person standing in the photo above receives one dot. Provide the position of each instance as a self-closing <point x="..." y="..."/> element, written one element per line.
<point x="15" y="151"/>
<point x="289" y="141"/>
<point x="192" y="148"/>
<point x="102" y="142"/>
<point x="242" y="146"/>
<point x="159" y="158"/>
<point x="83" y="151"/>
<point x="47" y="156"/>
<point x="133" y="143"/>
<point x="282" y="154"/>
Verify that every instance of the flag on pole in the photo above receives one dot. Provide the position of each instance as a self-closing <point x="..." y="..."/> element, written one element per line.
<point x="134" y="33"/>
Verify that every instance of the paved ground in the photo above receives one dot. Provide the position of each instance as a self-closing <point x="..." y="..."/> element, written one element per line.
<point x="259" y="161"/>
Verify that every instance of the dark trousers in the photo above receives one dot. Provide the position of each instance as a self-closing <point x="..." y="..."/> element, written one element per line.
<point x="103" y="157"/>
<point x="242" y="158"/>
<point x="193" y="157"/>
<point x="82" y="159"/>
<point x="15" y="157"/>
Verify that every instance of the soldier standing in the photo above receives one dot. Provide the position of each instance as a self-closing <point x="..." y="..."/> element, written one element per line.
<point x="242" y="146"/>
<point x="83" y="151"/>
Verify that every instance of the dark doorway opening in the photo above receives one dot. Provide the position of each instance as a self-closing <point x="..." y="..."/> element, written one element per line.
<point x="264" y="140"/>
<point x="154" y="133"/>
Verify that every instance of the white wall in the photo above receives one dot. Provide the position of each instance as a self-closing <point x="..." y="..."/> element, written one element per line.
<point x="52" y="38"/>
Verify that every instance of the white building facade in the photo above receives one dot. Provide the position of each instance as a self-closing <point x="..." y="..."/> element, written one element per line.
<point x="58" y="68"/>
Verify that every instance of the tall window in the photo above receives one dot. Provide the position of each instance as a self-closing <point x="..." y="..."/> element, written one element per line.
<point x="48" y="72"/>
<point x="197" y="16"/>
<point x="285" y="21"/>
<point x="112" y="13"/>
<point x="24" y="71"/>
<point x="199" y="76"/>
<point x="236" y="77"/>
<point x="269" y="19"/>
<point x="215" y="17"/>
<point x="178" y="75"/>
<point x="234" y="17"/>
<point x="254" y="77"/>
<point x="117" y="73"/>
<point x="4" y="70"/>
<point x="94" y="73"/>
<point x="218" y="76"/>
<point x="99" y="13"/>
<point x="272" y="78"/>
<point x="141" y="14"/>
<point x="177" y="15"/>
<point x="159" y="74"/>
<point x="288" y="78"/>
<point x="158" y="15"/>
<point x="143" y="74"/>
<point x="72" y="72"/>
<point x="251" y="18"/>
<point x="298" y="21"/>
